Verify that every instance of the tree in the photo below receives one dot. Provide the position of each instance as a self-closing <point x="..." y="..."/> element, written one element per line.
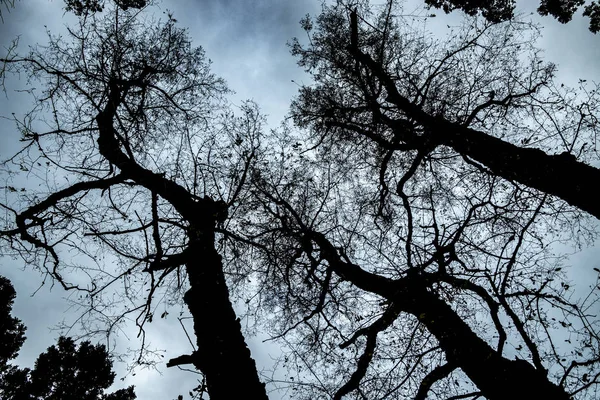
<point x="503" y="10"/>
<point x="154" y="162"/>
<point x="80" y="8"/>
<point x="399" y="243"/>
<point x="419" y="235"/>
<point x="12" y="330"/>
<point x="465" y="124"/>
<point x="64" y="372"/>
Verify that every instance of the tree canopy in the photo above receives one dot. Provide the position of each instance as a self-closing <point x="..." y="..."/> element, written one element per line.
<point x="397" y="235"/>
<point x="91" y="6"/>
<point x="503" y="10"/>
<point x="64" y="372"/>
<point x="79" y="7"/>
<point x="12" y="330"/>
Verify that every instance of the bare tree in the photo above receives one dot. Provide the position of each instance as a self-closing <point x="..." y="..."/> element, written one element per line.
<point x="141" y="159"/>
<point x="410" y="234"/>
<point x="470" y="95"/>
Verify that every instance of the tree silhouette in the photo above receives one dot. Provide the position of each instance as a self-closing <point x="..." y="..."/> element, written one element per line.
<point x="503" y="10"/>
<point x="12" y="331"/>
<point x="79" y="7"/>
<point x="398" y="241"/>
<point x="132" y="92"/>
<point x="65" y="371"/>
<point x="413" y="229"/>
<point x="437" y="111"/>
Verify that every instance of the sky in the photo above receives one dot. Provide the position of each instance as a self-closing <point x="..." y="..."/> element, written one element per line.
<point x="246" y="40"/>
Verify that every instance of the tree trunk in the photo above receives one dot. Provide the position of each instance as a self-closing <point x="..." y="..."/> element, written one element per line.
<point x="497" y="377"/>
<point x="558" y="175"/>
<point x="222" y="353"/>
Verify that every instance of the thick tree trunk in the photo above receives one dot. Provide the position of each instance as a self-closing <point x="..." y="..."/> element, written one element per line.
<point x="558" y="175"/>
<point x="497" y="377"/>
<point x="222" y="353"/>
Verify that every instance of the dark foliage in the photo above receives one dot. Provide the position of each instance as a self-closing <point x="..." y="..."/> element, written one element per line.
<point x="562" y="10"/>
<point x="12" y="331"/>
<point x="79" y="7"/>
<point x="65" y="372"/>
<point x="495" y="10"/>
<point x="503" y="10"/>
<point x="593" y="12"/>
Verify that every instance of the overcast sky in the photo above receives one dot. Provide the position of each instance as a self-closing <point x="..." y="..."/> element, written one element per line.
<point x="246" y="41"/>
